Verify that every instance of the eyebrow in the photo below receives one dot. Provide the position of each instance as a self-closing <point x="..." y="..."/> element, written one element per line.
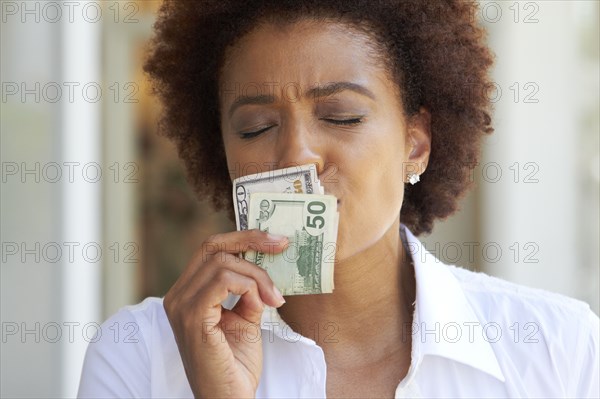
<point x="245" y="100"/>
<point x="332" y="88"/>
<point x="328" y="89"/>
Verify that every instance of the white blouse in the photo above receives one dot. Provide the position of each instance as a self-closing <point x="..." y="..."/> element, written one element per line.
<point x="472" y="336"/>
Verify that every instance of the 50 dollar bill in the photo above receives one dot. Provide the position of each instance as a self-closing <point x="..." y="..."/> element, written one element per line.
<point x="310" y="222"/>
<point x="294" y="180"/>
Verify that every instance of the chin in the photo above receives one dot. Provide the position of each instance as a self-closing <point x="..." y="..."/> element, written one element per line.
<point x="350" y="245"/>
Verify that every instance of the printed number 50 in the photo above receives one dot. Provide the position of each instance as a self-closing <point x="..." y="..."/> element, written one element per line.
<point x="316" y="208"/>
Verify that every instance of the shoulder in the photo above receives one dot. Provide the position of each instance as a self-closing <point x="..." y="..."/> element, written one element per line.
<point x="119" y="358"/>
<point x="133" y="327"/>
<point x="537" y="334"/>
<point x="147" y="316"/>
<point x="504" y="297"/>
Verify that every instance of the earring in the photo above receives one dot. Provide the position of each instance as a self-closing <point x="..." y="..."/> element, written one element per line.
<point x="413" y="178"/>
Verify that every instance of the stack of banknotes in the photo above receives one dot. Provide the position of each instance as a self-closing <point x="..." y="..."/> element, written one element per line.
<point x="291" y="202"/>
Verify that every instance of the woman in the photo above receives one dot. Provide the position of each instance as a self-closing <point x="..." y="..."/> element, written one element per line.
<point x="376" y="94"/>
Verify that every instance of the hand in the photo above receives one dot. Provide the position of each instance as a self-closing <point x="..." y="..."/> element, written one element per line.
<point x="218" y="359"/>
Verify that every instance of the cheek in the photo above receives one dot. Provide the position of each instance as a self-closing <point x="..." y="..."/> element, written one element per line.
<point x="384" y="192"/>
<point x="373" y="193"/>
<point x="389" y="186"/>
<point x="245" y="160"/>
<point x="376" y="168"/>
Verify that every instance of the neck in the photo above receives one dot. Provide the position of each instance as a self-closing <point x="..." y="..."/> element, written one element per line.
<point x="373" y="296"/>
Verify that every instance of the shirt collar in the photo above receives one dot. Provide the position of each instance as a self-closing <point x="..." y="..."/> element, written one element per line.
<point x="444" y="323"/>
<point x="441" y="312"/>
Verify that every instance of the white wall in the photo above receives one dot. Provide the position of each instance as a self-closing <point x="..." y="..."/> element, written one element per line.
<point x="50" y="295"/>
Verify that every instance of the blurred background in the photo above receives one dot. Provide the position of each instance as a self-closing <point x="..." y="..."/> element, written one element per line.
<point x="96" y="212"/>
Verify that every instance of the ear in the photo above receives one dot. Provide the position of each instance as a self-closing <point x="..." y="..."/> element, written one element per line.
<point x="418" y="143"/>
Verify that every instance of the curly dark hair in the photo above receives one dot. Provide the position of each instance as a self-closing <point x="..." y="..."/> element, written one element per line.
<point x="435" y="49"/>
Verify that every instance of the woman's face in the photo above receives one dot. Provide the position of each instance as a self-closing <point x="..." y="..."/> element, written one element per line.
<point x="318" y="93"/>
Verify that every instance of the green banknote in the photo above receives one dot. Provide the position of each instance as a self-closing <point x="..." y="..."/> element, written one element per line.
<point x="310" y="222"/>
<point x="300" y="179"/>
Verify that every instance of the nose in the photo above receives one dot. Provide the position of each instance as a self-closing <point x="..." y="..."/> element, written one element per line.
<point x="299" y="146"/>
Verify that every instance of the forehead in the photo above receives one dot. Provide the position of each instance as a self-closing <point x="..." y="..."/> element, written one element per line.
<point x="303" y="54"/>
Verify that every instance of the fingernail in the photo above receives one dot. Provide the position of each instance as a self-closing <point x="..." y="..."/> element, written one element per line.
<point x="278" y="295"/>
<point x="277" y="237"/>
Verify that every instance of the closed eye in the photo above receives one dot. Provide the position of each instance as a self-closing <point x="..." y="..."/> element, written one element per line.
<point x="250" y="135"/>
<point x="353" y="121"/>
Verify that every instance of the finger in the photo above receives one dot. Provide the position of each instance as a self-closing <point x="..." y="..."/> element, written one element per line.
<point x="242" y="306"/>
<point x="241" y="241"/>
<point x="227" y="281"/>
<point x="269" y="293"/>
<point x="233" y="242"/>
<point x="208" y="275"/>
